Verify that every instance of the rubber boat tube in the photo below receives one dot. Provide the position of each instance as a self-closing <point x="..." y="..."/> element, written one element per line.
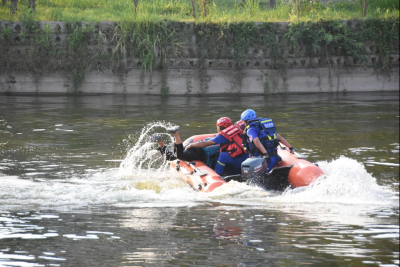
<point x="204" y="179"/>
<point x="303" y="172"/>
<point x="196" y="173"/>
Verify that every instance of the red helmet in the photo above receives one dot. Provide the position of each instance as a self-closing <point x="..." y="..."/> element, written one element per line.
<point x="224" y="122"/>
<point x="240" y="124"/>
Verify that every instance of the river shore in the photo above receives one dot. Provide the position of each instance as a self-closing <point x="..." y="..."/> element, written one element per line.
<point x="174" y="58"/>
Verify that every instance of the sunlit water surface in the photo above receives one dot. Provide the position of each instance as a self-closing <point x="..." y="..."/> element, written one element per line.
<point x="79" y="186"/>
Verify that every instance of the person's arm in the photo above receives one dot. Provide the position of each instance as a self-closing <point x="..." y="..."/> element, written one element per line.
<point x="201" y="144"/>
<point x="169" y="155"/>
<point x="260" y="146"/>
<point x="285" y="143"/>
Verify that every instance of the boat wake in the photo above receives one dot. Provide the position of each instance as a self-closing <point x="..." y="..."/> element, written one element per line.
<point x="145" y="179"/>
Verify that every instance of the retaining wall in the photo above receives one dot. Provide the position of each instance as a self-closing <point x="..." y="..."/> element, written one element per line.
<point x="183" y="75"/>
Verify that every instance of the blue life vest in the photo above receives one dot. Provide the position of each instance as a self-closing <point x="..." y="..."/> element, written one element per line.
<point x="212" y="153"/>
<point x="267" y="136"/>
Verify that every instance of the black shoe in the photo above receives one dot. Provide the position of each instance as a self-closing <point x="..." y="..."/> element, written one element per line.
<point x="173" y="130"/>
<point x="154" y="138"/>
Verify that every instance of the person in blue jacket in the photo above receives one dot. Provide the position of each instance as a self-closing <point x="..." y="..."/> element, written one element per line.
<point x="261" y="138"/>
<point x="232" y="152"/>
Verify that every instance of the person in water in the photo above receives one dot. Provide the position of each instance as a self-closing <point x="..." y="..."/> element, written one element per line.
<point x="261" y="138"/>
<point x="232" y="152"/>
<point x="208" y="155"/>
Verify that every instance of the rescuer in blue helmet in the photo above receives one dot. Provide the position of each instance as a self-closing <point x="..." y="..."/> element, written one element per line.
<point x="261" y="138"/>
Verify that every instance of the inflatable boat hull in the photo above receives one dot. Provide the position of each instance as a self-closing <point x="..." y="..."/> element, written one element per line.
<point x="204" y="179"/>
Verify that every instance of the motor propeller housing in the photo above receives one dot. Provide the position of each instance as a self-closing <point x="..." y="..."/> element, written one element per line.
<point x="253" y="171"/>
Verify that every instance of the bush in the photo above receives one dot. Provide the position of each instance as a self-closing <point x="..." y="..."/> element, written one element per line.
<point x="385" y="4"/>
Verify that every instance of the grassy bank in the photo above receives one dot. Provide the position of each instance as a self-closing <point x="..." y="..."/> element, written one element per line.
<point x="217" y="11"/>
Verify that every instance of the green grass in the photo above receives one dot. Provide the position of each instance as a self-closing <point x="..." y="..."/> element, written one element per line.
<point x="219" y="11"/>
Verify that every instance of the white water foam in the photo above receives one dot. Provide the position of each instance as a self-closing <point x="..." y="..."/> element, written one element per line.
<point x="346" y="181"/>
<point x="142" y="156"/>
<point x="145" y="179"/>
<point x="103" y="188"/>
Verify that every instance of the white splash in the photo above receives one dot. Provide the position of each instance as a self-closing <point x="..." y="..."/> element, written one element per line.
<point x="143" y="156"/>
<point x="347" y="182"/>
<point x="145" y="179"/>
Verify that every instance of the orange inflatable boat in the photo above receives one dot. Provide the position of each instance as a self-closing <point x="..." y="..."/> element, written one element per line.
<point x="292" y="171"/>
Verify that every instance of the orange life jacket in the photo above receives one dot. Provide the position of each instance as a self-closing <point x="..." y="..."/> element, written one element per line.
<point x="234" y="134"/>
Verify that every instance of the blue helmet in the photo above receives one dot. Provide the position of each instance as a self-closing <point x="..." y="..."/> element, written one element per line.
<point x="248" y="114"/>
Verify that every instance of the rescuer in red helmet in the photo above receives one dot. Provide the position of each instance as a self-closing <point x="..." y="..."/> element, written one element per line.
<point x="231" y="149"/>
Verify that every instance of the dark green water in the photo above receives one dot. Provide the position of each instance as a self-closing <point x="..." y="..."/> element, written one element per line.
<point x="64" y="200"/>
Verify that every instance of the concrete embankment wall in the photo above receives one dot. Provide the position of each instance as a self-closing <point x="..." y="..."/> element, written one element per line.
<point x="183" y="81"/>
<point x="185" y="74"/>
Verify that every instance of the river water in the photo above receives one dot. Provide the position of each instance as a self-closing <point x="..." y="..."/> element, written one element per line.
<point x="79" y="186"/>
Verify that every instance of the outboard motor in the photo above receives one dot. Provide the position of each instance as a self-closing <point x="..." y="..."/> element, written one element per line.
<point x="253" y="171"/>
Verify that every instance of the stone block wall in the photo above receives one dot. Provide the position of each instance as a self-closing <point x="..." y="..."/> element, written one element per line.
<point x="215" y="76"/>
